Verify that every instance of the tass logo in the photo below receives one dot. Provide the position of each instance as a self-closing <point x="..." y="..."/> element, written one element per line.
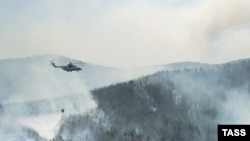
<point x="235" y="132"/>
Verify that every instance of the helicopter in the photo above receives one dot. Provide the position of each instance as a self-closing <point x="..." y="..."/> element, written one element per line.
<point x="69" y="68"/>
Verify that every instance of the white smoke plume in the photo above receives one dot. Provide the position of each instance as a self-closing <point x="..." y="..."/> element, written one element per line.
<point x="34" y="94"/>
<point x="136" y="33"/>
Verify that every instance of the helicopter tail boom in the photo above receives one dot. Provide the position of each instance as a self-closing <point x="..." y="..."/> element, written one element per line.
<point x="54" y="65"/>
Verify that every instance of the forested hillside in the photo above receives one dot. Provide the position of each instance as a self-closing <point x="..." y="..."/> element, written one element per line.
<point x="179" y="105"/>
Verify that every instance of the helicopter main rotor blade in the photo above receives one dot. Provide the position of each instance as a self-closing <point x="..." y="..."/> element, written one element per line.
<point x="77" y="63"/>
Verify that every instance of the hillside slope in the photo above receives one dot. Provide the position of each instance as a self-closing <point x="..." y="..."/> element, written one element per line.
<point x="182" y="101"/>
<point x="180" y="105"/>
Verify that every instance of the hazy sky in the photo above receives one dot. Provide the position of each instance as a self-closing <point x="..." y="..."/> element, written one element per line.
<point x="126" y="33"/>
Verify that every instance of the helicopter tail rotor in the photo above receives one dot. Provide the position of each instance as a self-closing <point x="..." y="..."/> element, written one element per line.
<point x="53" y="64"/>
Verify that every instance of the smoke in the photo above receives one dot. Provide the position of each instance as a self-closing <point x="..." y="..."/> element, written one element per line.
<point x="33" y="79"/>
<point x="162" y="34"/>
<point x="221" y="28"/>
<point x="136" y="33"/>
<point x="33" y="95"/>
<point x="235" y="109"/>
<point x="45" y="125"/>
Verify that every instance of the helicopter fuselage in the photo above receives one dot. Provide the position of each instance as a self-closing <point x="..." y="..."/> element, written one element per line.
<point x="69" y="68"/>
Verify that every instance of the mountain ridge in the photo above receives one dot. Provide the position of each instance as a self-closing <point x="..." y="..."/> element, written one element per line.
<point x="166" y="104"/>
